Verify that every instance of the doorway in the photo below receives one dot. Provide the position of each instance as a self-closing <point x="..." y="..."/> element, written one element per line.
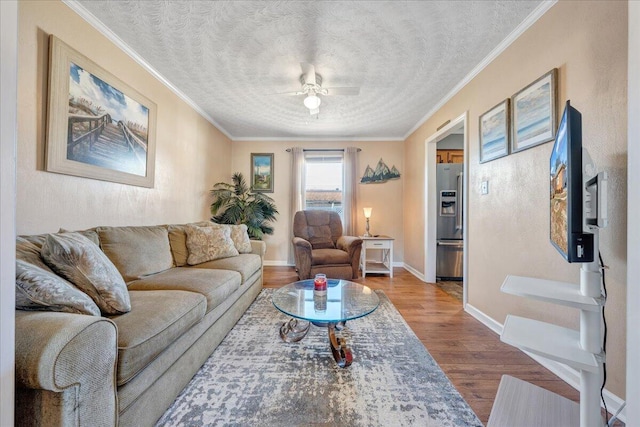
<point x="446" y="252"/>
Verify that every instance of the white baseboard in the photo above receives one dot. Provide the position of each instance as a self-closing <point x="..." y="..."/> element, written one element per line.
<point x="275" y="263"/>
<point x="413" y="271"/>
<point x="567" y="374"/>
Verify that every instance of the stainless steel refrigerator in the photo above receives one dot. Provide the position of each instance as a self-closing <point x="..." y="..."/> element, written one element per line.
<point x="449" y="233"/>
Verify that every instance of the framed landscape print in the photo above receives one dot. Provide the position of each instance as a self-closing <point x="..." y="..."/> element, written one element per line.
<point x="533" y="112"/>
<point x="98" y="126"/>
<point x="494" y="132"/>
<point x="262" y="172"/>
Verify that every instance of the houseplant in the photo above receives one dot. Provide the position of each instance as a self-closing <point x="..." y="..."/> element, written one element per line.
<point x="236" y="204"/>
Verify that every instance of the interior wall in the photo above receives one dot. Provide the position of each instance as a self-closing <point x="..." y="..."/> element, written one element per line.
<point x="455" y="141"/>
<point x="191" y="154"/>
<point x="508" y="228"/>
<point x="8" y="110"/>
<point x="633" y="265"/>
<point x="386" y="199"/>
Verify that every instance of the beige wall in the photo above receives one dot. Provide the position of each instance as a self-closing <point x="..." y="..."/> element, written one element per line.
<point x="191" y="154"/>
<point x="385" y="199"/>
<point x="508" y="228"/>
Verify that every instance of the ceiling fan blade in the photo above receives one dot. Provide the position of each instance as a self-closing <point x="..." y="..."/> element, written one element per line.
<point x="342" y="90"/>
<point x="314" y="111"/>
<point x="294" y="93"/>
<point x="309" y="72"/>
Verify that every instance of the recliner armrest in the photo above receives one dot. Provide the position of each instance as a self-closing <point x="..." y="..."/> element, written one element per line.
<point x="300" y="242"/>
<point x="349" y="244"/>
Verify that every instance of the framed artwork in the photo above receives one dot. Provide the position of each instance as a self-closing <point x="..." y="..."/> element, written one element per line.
<point x="494" y="132"/>
<point x="98" y="126"/>
<point x="533" y="113"/>
<point x="262" y="172"/>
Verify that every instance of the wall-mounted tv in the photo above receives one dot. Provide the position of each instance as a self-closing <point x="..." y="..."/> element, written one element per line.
<point x="566" y="191"/>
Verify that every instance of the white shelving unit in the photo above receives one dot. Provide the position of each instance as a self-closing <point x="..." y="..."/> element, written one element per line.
<point x="523" y="404"/>
<point x="384" y="265"/>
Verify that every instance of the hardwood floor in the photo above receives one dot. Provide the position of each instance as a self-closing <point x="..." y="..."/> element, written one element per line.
<point x="469" y="353"/>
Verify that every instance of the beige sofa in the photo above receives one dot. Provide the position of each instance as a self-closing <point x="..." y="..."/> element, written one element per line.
<point x="75" y="369"/>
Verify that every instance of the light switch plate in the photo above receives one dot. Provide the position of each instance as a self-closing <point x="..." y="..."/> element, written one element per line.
<point x="484" y="188"/>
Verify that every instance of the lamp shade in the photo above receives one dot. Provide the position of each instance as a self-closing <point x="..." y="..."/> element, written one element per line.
<point x="312" y="102"/>
<point x="367" y="212"/>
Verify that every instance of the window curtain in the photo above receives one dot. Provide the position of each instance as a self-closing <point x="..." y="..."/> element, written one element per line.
<point x="296" y="190"/>
<point x="350" y="186"/>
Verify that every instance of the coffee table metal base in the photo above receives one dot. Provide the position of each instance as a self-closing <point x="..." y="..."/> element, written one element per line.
<point x="295" y="330"/>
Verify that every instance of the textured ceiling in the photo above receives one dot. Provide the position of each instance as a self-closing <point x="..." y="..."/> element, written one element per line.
<point x="231" y="57"/>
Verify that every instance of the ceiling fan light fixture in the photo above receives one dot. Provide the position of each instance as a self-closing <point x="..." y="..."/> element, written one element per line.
<point x="312" y="102"/>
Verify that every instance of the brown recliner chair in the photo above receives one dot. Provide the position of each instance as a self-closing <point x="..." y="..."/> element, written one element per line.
<point x="320" y="246"/>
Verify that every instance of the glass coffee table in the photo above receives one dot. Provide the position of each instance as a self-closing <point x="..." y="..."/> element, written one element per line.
<point x="342" y="301"/>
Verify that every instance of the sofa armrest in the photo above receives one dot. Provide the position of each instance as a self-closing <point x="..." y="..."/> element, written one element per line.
<point x="353" y="246"/>
<point x="302" y="253"/>
<point x="65" y="369"/>
<point x="258" y="247"/>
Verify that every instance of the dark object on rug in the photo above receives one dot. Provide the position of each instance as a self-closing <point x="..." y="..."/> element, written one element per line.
<point x="254" y="378"/>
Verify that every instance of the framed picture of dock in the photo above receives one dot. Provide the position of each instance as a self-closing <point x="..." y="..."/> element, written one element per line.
<point x="533" y="113"/>
<point x="262" y="172"/>
<point x="98" y="126"/>
<point x="494" y="132"/>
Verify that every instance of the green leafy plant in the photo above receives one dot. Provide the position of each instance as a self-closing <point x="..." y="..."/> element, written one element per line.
<point x="236" y="204"/>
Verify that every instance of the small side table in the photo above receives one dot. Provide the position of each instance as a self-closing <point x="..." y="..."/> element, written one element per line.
<point x="383" y="244"/>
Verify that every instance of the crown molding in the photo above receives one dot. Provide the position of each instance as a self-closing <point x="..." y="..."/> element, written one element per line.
<point x="319" y="139"/>
<point x="111" y="36"/>
<point x="513" y="36"/>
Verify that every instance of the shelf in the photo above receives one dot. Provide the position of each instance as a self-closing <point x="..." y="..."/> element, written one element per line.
<point x="562" y="293"/>
<point x="550" y="341"/>
<point x="519" y="403"/>
<point x="376" y="267"/>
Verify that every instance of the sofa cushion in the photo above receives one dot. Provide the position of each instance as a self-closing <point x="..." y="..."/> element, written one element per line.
<point x="329" y="256"/>
<point x="209" y="243"/>
<point x="81" y="262"/>
<point x="178" y="241"/>
<point x="215" y="285"/>
<point x="137" y="251"/>
<point x="239" y="236"/>
<point x="245" y="264"/>
<point x="41" y="289"/>
<point x="146" y="330"/>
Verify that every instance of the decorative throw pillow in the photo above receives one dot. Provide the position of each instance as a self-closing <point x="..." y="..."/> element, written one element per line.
<point x="81" y="262"/>
<point x="239" y="235"/>
<point x="209" y="243"/>
<point x="40" y="289"/>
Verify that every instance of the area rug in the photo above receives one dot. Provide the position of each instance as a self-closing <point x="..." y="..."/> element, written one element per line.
<point x="255" y="379"/>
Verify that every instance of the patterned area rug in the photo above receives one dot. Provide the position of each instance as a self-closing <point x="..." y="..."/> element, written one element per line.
<point x="255" y="379"/>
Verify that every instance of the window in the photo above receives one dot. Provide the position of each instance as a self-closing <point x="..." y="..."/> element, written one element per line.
<point x="324" y="181"/>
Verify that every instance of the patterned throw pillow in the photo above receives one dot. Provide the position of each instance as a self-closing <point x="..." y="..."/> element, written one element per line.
<point x="209" y="243"/>
<point x="81" y="262"/>
<point x="239" y="235"/>
<point x="40" y="289"/>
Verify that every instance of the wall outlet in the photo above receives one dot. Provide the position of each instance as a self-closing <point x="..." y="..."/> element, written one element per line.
<point x="484" y="187"/>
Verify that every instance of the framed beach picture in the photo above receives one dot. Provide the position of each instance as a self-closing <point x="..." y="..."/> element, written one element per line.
<point x="98" y="126"/>
<point x="262" y="172"/>
<point x="494" y="132"/>
<point x="533" y="113"/>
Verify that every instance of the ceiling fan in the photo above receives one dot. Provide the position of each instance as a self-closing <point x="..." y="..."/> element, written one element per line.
<point x="312" y="87"/>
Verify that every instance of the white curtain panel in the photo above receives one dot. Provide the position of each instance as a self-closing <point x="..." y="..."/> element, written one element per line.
<point x="349" y="227"/>
<point x="296" y="191"/>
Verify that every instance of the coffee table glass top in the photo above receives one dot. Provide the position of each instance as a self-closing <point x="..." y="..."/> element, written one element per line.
<point x="343" y="301"/>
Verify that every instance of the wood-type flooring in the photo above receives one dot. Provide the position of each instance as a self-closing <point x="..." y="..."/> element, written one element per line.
<point x="469" y="353"/>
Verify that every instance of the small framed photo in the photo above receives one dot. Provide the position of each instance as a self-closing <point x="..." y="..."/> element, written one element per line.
<point x="533" y="113"/>
<point x="494" y="132"/>
<point x="262" y="172"/>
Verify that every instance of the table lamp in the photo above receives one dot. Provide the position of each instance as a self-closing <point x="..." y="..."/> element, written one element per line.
<point x="367" y="215"/>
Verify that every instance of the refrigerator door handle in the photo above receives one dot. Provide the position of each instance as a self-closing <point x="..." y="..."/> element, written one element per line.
<point x="457" y="243"/>
<point x="459" y="202"/>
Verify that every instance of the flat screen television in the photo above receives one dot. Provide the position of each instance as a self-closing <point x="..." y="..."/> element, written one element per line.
<point x="566" y="191"/>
